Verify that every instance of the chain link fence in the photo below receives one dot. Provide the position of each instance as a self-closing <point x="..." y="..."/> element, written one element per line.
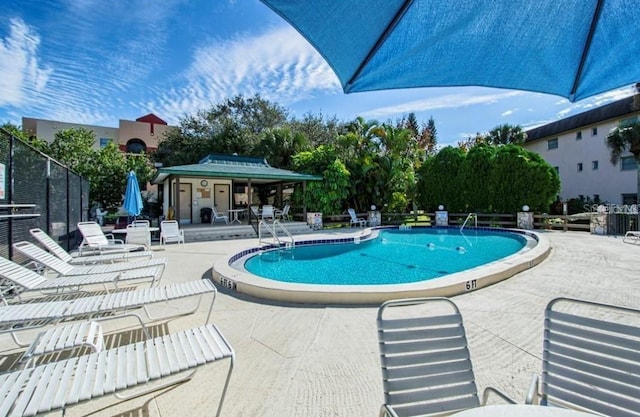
<point x="38" y="192"/>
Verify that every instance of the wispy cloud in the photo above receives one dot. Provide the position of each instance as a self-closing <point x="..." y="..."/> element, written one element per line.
<point x="279" y="65"/>
<point x="449" y="101"/>
<point x="22" y="75"/>
<point x="593" y="102"/>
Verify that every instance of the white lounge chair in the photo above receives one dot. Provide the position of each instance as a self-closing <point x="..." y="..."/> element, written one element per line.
<point x="170" y="232"/>
<point x="217" y="216"/>
<point x="590" y="358"/>
<point x="631" y="237"/>
<point x="53" y="247"/>
<point x="354" y="219"/>
<point x="146" y="366"/>
<point x="138" y="235"/>
<point x="47" y="260"/>
<point x="426" y="365"/>
<point x="16" y="318"/>
<point x="94" y="240"/>
<point x="27" y="280"/>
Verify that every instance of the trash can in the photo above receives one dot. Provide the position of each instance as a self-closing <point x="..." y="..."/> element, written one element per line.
<point x="205" y="214"/>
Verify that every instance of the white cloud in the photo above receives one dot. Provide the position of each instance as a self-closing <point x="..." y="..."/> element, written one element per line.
<point x="507" y="113"/>
<point x="279" y="65"/>
<point x="21" y="74"/>
<point x="450" y="101"/>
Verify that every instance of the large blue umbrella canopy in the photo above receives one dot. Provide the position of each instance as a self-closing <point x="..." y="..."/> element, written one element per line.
<point x="132" y="196"/>
<point x="570" y="48"/>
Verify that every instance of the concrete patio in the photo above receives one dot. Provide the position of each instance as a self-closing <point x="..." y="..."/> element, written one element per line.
<point x="322" y="360"/>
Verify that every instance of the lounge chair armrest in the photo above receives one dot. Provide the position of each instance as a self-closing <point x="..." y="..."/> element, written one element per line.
<point x="489" y="390"/>
<point x="532" y="394"/>
<point x="387" y="411"/>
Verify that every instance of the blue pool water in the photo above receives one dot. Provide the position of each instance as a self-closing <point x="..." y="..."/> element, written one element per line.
<point x="394" y="257"/>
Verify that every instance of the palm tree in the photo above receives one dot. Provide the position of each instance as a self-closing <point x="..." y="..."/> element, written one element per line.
<point x="626" y="138"/>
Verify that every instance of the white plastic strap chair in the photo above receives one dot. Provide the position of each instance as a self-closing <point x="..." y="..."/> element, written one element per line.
<point x="29" y="280"/>
<point x="41" y="257"/>
<point x="15" y="318"/>
<point x="144" y="366"/>
<point x="590" y="358"/>
<point x="53" y="247"/>
<point x="170" y="232"/>
<point x="426" y="366"/>
<point x="94" y="239"/>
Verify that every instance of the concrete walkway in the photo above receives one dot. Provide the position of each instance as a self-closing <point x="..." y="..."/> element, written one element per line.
<point x="309" y="360"/>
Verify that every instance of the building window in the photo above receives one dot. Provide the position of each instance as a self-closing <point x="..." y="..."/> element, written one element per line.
<point x="630" y="199"/>
<point x="594" y="131"/>
<point x="628" y="163"/>
<point x="105" y="141"/>
<point x="552" y="143"/>
<point x="579" y="135"/>
<point x="579" y="166"/>
<point x="594" y="165"/>
<point x="136" y="146"/>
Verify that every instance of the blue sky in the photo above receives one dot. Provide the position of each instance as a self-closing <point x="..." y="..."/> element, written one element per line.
<point x="95" y="62"/>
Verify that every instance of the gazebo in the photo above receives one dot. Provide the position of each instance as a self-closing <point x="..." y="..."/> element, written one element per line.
<point x="225" y="182"/>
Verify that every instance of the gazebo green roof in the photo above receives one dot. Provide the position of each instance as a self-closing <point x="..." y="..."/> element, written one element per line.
<point x="235" y="167"/>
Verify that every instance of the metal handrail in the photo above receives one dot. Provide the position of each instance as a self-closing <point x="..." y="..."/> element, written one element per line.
<point x="469" y="216"/>
<point x="14" y="207"/>
<point x="274" y="233"/>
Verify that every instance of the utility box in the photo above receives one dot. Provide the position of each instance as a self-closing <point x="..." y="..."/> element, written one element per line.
<point x="314" y="220"/>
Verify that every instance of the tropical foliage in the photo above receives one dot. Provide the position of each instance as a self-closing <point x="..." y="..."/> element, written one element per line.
<point x="626" y="138"/>
<point x="487" y="179"/>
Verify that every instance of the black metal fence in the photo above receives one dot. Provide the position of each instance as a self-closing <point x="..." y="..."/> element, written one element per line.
<point x="38" y="192"/>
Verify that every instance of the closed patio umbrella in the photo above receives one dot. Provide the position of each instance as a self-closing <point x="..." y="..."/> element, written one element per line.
<point x="570" y="48"/>
<point x="132" y="197"/>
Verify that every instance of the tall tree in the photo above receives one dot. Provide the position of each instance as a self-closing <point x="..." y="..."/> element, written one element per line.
<point x="506" y="134"/>
<point x="233" y="126"/>
<point x="626" y="138"/>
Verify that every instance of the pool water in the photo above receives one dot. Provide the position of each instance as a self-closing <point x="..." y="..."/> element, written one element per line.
<point x="393" y="257"/>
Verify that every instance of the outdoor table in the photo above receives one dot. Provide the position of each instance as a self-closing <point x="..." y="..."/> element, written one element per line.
<point x="520" y="410"/>
<point x="234" y="215"/>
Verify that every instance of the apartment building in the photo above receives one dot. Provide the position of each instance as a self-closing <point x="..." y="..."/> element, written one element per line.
<point x="131" y="136"/>
<point x="576" y="147"/>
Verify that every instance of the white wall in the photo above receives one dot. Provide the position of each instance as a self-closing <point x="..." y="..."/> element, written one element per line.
<point x="608" y="181"/>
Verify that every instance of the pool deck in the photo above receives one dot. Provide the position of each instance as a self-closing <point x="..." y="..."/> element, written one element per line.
<point x="322" y="360"/>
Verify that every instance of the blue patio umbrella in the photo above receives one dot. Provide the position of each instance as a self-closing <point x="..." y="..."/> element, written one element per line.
<point x="132" y="197"/>
<point x="570" y="48"/>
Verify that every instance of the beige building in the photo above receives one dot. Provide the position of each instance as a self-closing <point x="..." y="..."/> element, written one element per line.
<point x="576" y="147"/>
<point x="131" y="136"/>
<point x="136" y="136"/>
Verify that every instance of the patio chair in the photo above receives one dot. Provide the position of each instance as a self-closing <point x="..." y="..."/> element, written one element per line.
<point x="631" y="237"/>
<point x="590" y="358"/>
<point x="170" y="232"/>
<point x="426" y="367"/>
<point x="268" y="212"/>
<point x="15" y="318"/>
<point x="27" y="280"/>
<point x="45" y="260"/>
<point x="354" y="219"/>
<point x="146" y="366"/>
<point x="93" y="239"/>
<point x="217" y="216"/>
<point x="53" y="247"/>
<point x="138" y="235"/>
<point x="284" y="213"/>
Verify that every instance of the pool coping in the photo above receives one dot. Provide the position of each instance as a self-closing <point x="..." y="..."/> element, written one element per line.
<point x="454" y="284"/>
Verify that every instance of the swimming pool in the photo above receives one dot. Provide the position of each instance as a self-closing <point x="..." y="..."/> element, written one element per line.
<point x="393" y="257"/>
<point x="230" y="271"/>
